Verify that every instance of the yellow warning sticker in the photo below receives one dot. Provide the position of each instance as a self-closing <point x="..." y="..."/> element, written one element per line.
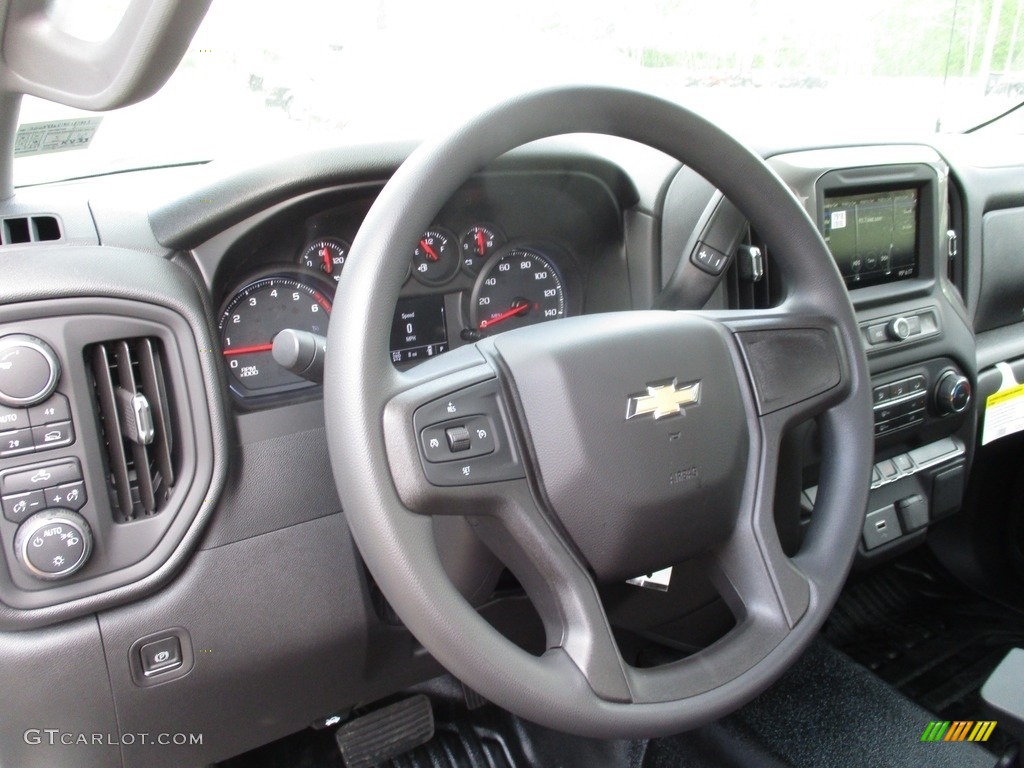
<point x="1004" y="414"/>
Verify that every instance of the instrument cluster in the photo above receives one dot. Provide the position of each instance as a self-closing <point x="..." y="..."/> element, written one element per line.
<point x="463" y="284"/>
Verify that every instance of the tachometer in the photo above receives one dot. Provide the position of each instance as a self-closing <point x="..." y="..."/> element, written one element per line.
<point x="520" y="288"/>
<point x="251" y="319"/>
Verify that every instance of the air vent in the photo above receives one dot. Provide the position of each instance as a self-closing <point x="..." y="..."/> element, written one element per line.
<point x="753" y="280"/>
<point x="17" y="230"/>
<point x="131" y="398"/>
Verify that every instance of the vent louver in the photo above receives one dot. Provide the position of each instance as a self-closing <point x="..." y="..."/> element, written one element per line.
<point x="750" y="288"/>
<point x="131" y="399"/>
<point x="17" y="230"/>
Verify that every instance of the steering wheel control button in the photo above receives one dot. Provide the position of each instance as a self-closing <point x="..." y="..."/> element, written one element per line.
<point x="160" y="656"/>
<point x="881" y="527"/>
<point x="460" y="442"/>
<point x="458" y="438"/>
<point x="54" y="544"/>
<point x="709" y="259"/>
<point x="20" y="506"/>
<point x="53" y="411"/>
<point x="40" y="476"/>
<point x="29" y="370"/>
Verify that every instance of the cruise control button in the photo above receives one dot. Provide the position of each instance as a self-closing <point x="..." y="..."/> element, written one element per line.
<point x="435" y="445"/>
<point x="458" y="438"/>
<point x="16" y="443"/>
<point x="53" y="435"/>
<point x="52" y="411"/>
<point x="21" y="506"/>
<point x="41" y="477"/>
<point x="482" y="435"/>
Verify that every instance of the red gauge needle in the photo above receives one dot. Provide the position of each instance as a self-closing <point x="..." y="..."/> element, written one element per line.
<point x="480" y="242"/>
<point x="328" y="264"/>
<point x="431" y="253"/>
<point x="516" y="310"/>
<point x="247" y="350"/>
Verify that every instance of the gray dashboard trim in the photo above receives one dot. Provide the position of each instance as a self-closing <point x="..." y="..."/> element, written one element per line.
<point x="232" y="195"/>
<point x="96" y="272"/>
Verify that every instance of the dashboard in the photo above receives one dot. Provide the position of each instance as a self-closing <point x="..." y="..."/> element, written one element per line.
<point x="182" y="469"/>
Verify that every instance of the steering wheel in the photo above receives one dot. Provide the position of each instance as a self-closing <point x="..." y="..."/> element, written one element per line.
<point x="614" y="444"/>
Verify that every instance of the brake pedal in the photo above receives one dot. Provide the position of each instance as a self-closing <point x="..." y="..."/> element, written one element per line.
<point x="386" y="733"/>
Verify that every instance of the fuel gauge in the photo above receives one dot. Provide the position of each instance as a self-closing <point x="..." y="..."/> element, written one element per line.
<point x="326" y="255"/>
<point x="479" y="242"/>
<point x="435" y="259"/>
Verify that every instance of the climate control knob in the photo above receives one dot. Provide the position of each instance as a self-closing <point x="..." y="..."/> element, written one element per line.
<point x="29" y="370"/>
<point x="952" y="393"/>
<point x="898" y="329"/>
<point x="52" y="545"/>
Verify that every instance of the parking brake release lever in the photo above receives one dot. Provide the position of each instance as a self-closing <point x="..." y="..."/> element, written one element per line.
<point x="301" y="352"/>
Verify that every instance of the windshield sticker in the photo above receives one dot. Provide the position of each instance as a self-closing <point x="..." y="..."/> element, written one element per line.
<point x="55" y="136"/>
<point x="1004" y="411"/>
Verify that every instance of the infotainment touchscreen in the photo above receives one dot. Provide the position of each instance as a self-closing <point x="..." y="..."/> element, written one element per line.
<point x="873" y="235"/>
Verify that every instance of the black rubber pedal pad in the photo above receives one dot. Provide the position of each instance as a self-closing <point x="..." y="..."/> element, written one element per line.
<point x="386" y="733"/>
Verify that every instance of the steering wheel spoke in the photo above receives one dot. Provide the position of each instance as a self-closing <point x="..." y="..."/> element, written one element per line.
<point x="560" y="587"/>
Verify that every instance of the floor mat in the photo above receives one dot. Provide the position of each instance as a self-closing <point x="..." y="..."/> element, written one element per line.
<point x="825" y="711"/>
<point x="932" y="639"/>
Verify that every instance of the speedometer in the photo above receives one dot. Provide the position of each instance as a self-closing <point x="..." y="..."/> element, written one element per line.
<point x="520" y="288"/>
<point x="251" y="319"/>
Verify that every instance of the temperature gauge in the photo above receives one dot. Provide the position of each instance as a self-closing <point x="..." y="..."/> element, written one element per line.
<point x="326" y="255"/>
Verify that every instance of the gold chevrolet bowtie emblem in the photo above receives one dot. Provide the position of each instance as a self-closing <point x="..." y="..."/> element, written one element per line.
<point x="664" y="399"/>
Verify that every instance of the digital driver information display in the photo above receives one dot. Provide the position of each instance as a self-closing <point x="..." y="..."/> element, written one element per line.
<point x="418" y="330"/>
<point x="873" y="236"/>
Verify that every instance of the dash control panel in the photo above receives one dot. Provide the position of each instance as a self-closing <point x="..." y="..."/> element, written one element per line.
<point x="902" y="403"/>
<point x="890" y="331"/>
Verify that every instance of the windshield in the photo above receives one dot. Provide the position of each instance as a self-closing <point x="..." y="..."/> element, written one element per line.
<point x="264" y="77"/>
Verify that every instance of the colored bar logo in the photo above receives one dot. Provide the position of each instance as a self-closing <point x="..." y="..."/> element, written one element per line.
<point x="959" y="730"/>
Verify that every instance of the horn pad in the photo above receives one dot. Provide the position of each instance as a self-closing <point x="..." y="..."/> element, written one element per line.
<point x="638" y="431"/>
